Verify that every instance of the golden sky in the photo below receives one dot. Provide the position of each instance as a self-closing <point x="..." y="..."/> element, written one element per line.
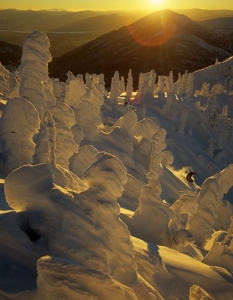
<point x="117" y="4"/>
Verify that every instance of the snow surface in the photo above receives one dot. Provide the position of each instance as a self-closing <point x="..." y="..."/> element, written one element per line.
<point x="94" y="201"/>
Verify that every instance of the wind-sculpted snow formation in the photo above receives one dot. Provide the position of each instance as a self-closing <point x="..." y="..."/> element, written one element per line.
<point x="202" y="222"/>
<point x="57" y="131"/>
<point x="150" y="203"/>
<point x="94" y="201"/>
<point x="34" y="71"/>
<point x="18" y="124"/>
<point x="72" y="216"/>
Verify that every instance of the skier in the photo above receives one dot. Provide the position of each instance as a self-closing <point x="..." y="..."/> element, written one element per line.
<point x="189" y="176"/>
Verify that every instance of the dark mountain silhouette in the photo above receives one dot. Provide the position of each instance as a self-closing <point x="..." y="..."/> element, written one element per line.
<point x="72" y="28"/>
<point x="218" y="24"/>
<point x="162" y="41"/>
<point x="44" y="20"/>
<point x="10" y="55"/>
<point x="199" y="14"/>
<point x="47" y="20"/>
<point x="102" y="23"/>
<point x="221" y="27"/>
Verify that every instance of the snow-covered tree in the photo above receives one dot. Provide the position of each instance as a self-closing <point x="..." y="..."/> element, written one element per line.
<point x="181" y="84"/>
<point x="129" y="85"/>
<point x="55" y="142"/>
<point x="18" y="125"/>
<point x="168" y="85"/>
<point x="122" y="85"/>
<point x="87" y="117"/>
<point x="160" y="88"/>
<point x="34" y="70"/>
<point x="51" y="133"/>
<point x="151" y="83"/>
<point x="59" y="90"/>
<point x="212" y="112"/>
<point x="201" y="224"/>
<point x="189" y="86"/>
<point x="217" y="89"/>
<point x="205" y="89"/>
<point x="75" y="91"/>
<point x="88" y="80"/>
<point x="142" y="83"/>
<point x="152" y="214"/>
<point x="114" y="89"/>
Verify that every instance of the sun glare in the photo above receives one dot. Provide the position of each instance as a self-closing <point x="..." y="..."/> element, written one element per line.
<point x="157" y="3"/>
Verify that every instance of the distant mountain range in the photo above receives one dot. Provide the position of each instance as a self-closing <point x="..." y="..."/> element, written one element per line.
<point x="163" y="40"/>
<point x="44" y="20"/>
<point x="52" y="20"/>
<point x="198" y="14"/>
<point x="72" y="28"/>
<point x="218" y="24"/>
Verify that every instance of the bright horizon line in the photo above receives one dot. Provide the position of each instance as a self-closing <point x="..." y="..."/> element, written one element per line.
<point x="104" y="10"/>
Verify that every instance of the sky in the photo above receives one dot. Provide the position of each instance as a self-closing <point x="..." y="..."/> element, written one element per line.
<point x="117" y="5"/>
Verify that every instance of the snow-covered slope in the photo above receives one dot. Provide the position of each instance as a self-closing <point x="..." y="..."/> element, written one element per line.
<point x="94" y="200"/>
<point x="221" y="72"/>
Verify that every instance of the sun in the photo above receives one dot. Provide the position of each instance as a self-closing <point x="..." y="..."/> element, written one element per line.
<point x="157" y="3"/>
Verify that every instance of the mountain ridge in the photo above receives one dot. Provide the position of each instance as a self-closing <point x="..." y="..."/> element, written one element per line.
<point x="139" y="45"/>
<point x="182" y="44"/>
